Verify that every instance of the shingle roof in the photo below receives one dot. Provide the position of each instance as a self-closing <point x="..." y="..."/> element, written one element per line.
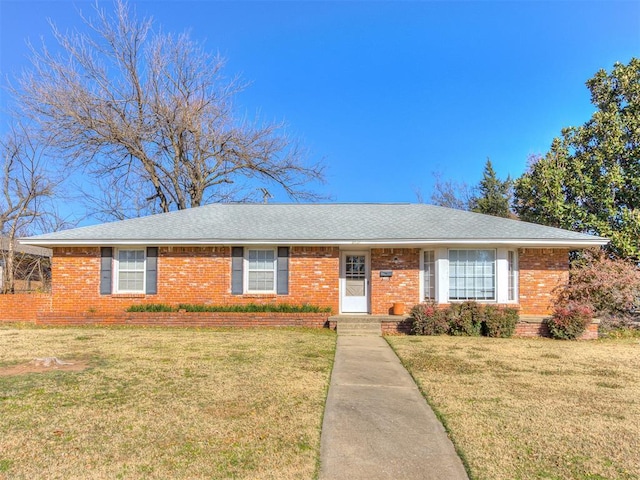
<point x="26" y="249"/>
<point x="319" y="224"/>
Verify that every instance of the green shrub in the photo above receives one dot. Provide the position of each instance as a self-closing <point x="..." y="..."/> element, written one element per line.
<point x="248" y="308"/>
<point x="428" y="319"/>
<point x="618" y="327"/>
<point x="570" y="321"/>
<point x="469" y="318"/>
<point x="499" y="321"/>
<point x="151" y="307"/>
<point x="465" y="319"/>
<point x="255" y="308"/>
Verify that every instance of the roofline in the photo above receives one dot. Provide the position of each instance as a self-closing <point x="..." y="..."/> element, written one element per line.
<point x="587" y="242"/>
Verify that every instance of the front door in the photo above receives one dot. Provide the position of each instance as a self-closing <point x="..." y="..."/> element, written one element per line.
<point x="354" y="282"/>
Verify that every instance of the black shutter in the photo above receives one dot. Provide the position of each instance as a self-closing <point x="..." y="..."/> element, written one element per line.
<point x="283" y="271"/>
<point x="152" y="270"/>
<point x="237" y="260"/>
<point x="106" y="261"/>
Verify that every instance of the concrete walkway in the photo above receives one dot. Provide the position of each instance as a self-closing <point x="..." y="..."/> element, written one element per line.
<point x="376" y="423"/>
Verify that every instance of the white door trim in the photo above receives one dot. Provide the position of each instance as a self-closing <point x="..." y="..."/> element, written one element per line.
<point x="355" y="304"/>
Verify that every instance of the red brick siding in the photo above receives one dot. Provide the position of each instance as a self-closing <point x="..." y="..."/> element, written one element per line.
<point x="203" y="275"/>
<point x="404" y="284"/>
<point x="23" y="307"/>
<point x="200" y="275"/>
<point x="542" y="270"/>
<point x="314" y="276"/>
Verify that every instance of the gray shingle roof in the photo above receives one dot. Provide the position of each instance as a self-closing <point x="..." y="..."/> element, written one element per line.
<point x="333" y="224"/>
<point x="26" y="249"/>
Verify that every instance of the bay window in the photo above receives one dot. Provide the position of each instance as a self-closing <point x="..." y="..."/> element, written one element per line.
<point x="472" y="274"/>
<point x="460" y="274"/>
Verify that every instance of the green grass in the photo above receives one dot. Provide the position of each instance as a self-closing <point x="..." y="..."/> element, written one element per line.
<point x="534" y="408"/>
<point x="165" y="403"/>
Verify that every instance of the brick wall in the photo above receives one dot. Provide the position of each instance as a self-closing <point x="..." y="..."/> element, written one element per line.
<point x="186" y="319"/>
<point x="401" y="326"/>
<point x="23" y="307"/>
<point x="203" y="275"/>
<point x="528" y="326"/>
<point x="535" y="326"/>
<point x="314" y="276"/>
<point x="200" y="275"/>
<point x="404" y="284"/>
<point x="542" y="270"/>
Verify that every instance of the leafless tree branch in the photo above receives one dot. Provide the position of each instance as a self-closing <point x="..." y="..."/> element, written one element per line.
<point x="26" y="192"/>
<point x="137" y="107"/>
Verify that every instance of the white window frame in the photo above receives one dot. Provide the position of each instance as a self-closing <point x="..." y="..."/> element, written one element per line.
<point x="504" y="274"/>
<point x="495" y="275"/>
<point x="513" y="281"/>
<point x="424" y="281"/>
<point x="116" y="270"/>
<point x="246" y="270"/>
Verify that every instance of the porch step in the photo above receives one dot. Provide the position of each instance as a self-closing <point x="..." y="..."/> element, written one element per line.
<point x="365" y="325"/>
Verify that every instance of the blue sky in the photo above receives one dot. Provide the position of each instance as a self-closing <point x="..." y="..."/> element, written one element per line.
<point x="389" y="92"/>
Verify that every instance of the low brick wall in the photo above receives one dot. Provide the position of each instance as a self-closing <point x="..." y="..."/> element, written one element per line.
<point x="401" y="326"/>
<point x="186" y="319"/>
<point x="528" y="326"/>
<point x="535" y="326"/>
<point x="531" y="327"/>
<point x="23" y="307"/>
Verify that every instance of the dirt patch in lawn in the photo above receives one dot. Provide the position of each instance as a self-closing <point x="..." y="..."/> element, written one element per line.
<point x="39" y="365"/>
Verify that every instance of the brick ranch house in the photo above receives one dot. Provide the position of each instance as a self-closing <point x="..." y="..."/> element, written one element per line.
<point x="357" y="259"/>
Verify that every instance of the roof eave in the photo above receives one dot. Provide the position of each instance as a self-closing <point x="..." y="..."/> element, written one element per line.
<point x="519" y="242"/>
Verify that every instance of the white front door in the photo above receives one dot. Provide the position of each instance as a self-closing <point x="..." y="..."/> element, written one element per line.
<point x="354" y="282"/>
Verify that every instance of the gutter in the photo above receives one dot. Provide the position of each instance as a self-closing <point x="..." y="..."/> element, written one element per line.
<point x="558" y="243"/>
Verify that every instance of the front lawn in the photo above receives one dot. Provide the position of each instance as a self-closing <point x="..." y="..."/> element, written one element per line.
<point x="534" y="408"/>
<point x="163" y="403"/>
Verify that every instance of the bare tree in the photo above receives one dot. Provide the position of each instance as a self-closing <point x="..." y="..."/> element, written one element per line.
<point x="150" y="116"/>
<point x="26" y="189"/>
<point x="447" y="193"/>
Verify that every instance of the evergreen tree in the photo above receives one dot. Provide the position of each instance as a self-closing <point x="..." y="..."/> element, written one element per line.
<point x="494" y="194"/>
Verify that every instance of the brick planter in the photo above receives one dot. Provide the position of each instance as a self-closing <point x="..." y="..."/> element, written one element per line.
<point x="400" y="326"/>
<point x="528" y="326"/>
<point x="187" y="319"/>
<point x="535" y="326"/>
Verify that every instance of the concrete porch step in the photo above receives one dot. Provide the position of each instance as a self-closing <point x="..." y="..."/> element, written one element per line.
<point x="364" y="325"/>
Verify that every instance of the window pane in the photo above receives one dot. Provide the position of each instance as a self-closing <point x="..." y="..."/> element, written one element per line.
<point x="261" y="280"/>
<point x="261" y="259"/>
<point x="513" y="275"/>
<point x="429" y="275"/>
<point x="130" y="281"/>
<point x="261" y="272"/>
<point x="131" y="270"/>
<point x="472" y="274"/>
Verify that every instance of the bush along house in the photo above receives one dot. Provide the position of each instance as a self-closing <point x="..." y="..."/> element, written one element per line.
<point x="355" y="259"/>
